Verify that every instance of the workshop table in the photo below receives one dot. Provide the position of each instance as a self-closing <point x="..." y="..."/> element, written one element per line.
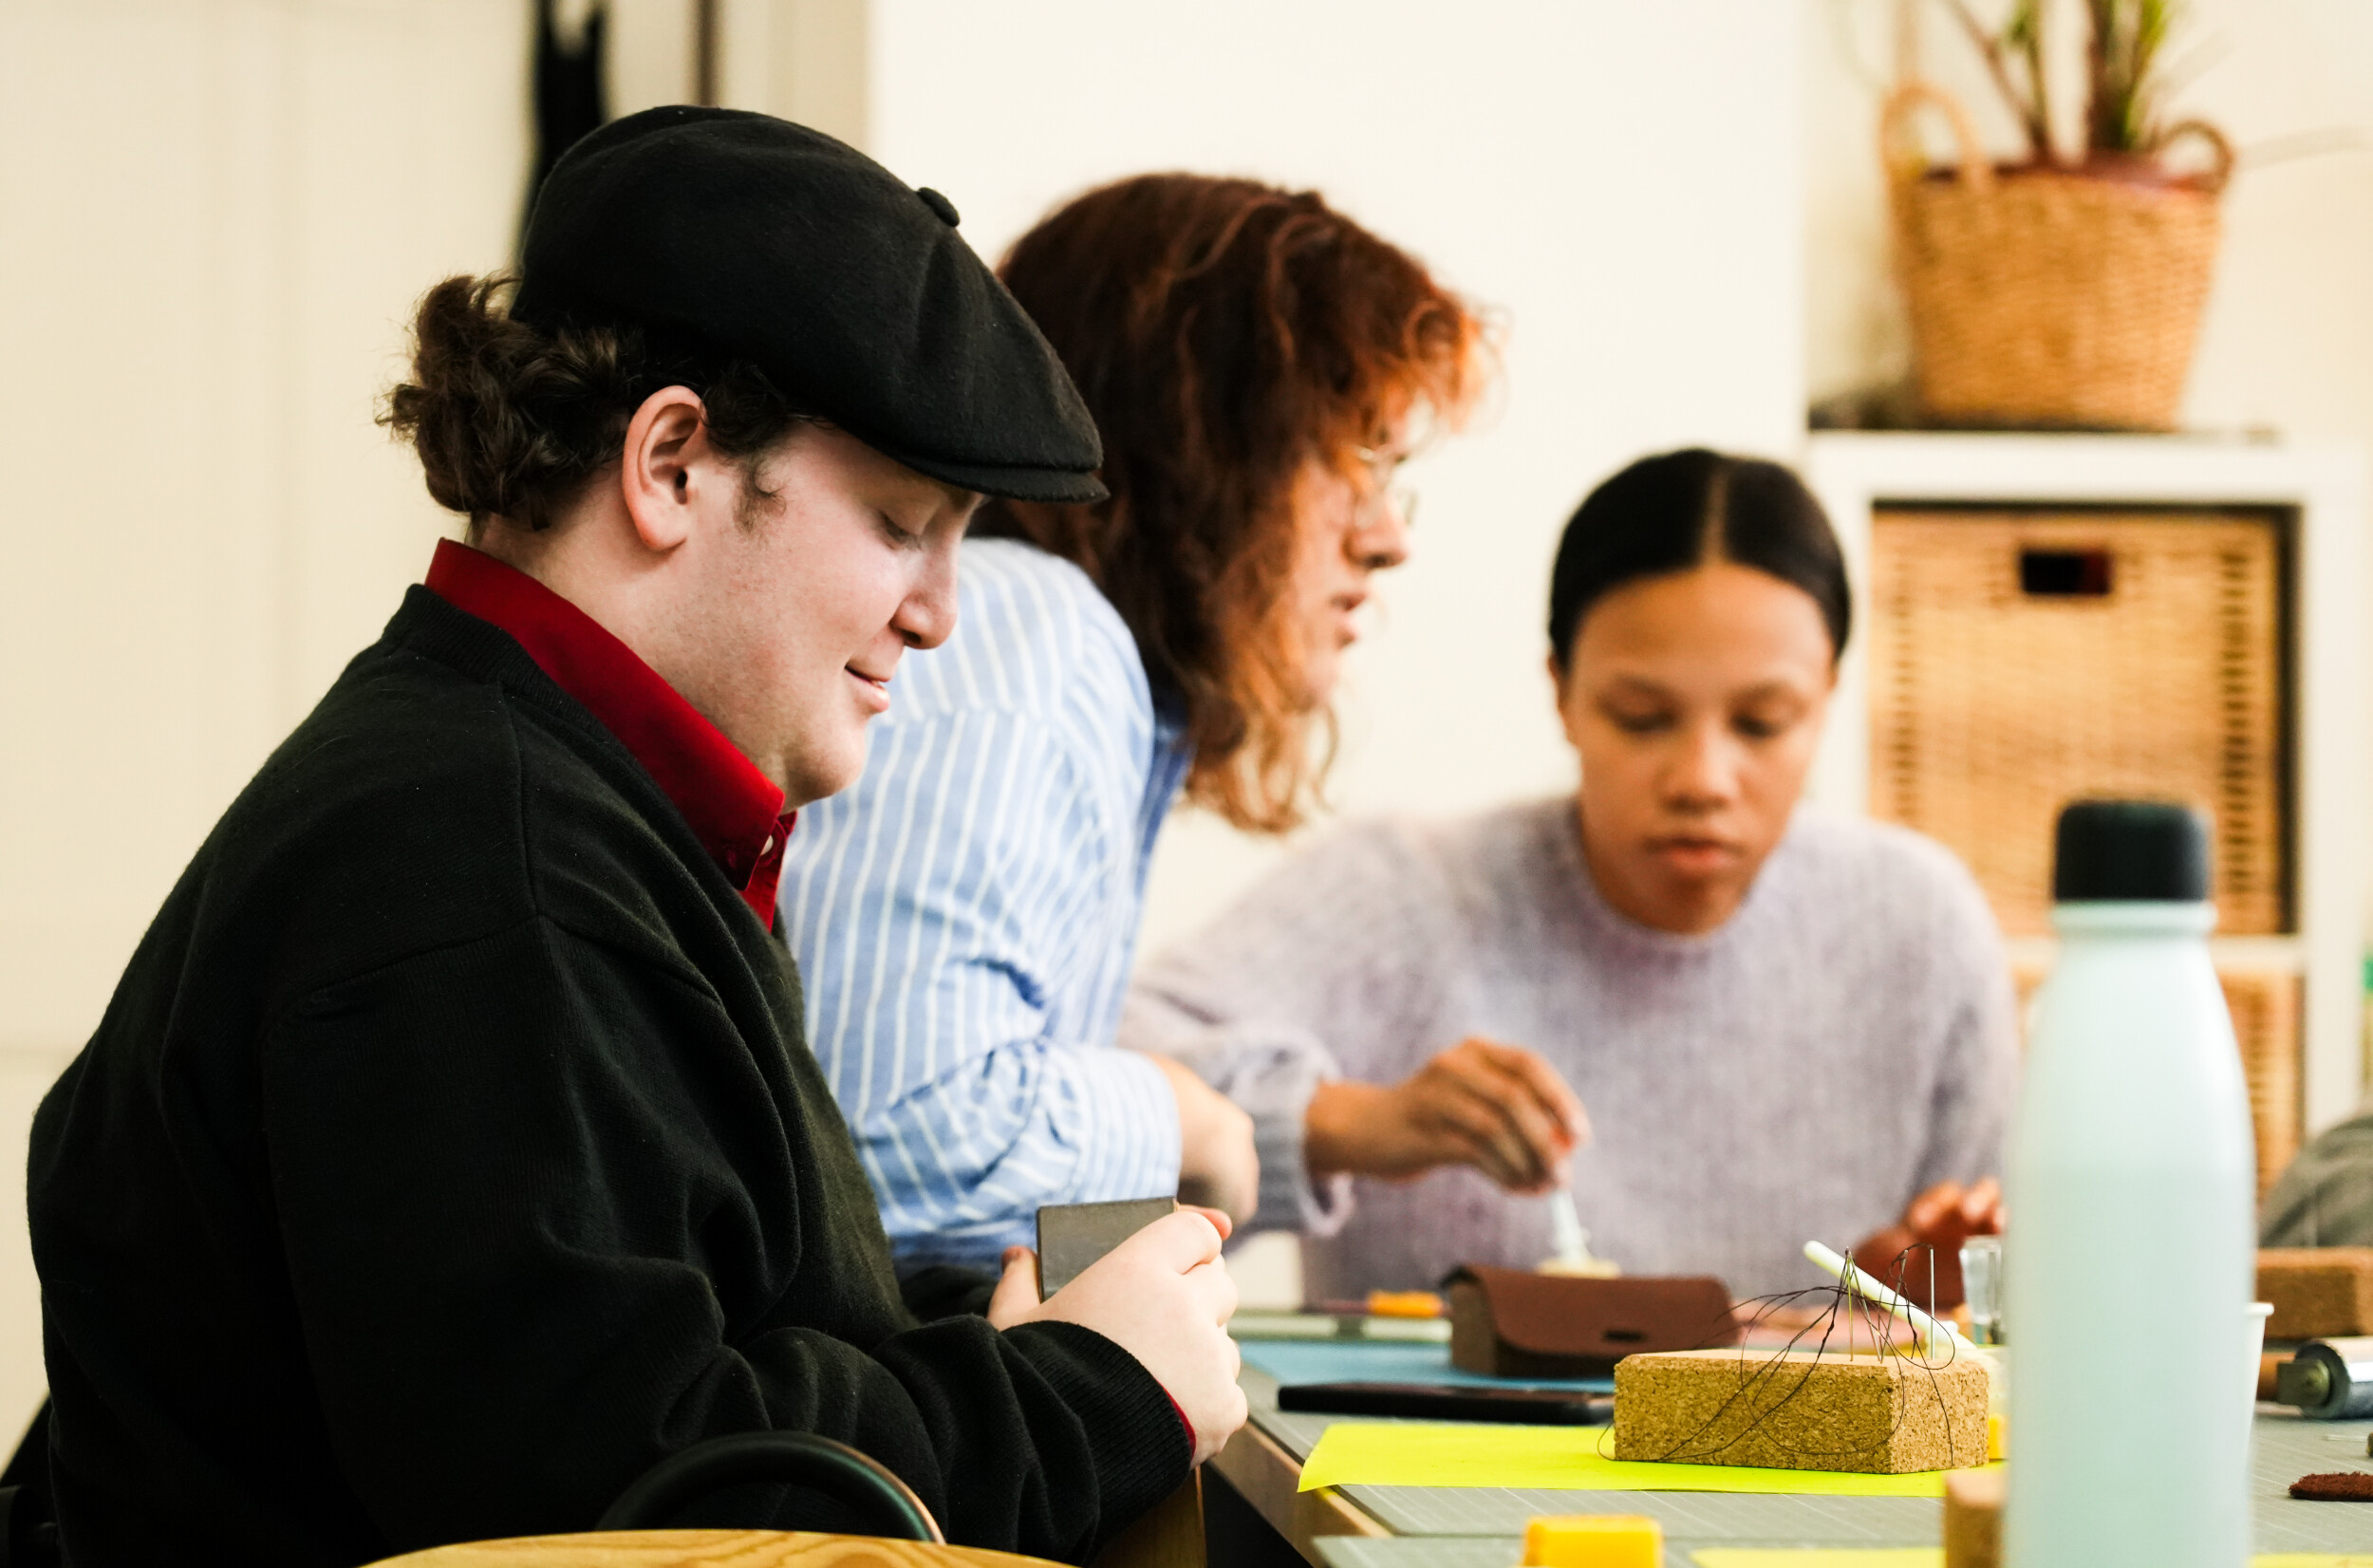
<point x="1482" y="1526"/>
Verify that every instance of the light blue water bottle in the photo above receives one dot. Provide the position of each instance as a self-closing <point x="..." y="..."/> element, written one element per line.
<point x="2129" y="1239"/>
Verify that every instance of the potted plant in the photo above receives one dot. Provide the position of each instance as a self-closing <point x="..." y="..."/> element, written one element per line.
<point x="2051" y="290"/>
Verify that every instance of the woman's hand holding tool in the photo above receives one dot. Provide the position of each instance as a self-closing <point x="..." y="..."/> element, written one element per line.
<point x="1498" y="1108"/>
<point x="1939" y="1218"/>
<point x="1165" y="1296"/>
<point x="1949" y="1214"/>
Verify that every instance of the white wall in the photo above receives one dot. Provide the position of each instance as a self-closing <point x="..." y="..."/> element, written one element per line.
<point x="208" y="288"/>
<point x="220" y="213"/>
<point x="1621" y="183"/>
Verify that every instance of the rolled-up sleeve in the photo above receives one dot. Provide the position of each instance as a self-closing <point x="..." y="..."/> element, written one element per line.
<point x="1270" y="1071"/>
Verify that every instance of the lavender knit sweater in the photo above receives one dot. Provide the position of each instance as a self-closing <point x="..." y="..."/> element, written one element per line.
<point x="1842" y="1042"/>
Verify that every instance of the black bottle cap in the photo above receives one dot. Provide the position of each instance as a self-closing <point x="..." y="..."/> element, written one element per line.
<point x="2129" y="851"/>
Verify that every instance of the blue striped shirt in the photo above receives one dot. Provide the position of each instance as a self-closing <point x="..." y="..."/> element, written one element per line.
<point x="966" y="917"/>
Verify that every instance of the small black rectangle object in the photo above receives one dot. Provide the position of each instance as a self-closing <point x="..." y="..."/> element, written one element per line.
<point x="1073" y="1236"/>
<point x="2064" y="573"/>
<point x="1450" y="1402"/>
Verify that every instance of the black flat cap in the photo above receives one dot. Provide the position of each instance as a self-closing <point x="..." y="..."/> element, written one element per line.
<point x="757" y="239"/>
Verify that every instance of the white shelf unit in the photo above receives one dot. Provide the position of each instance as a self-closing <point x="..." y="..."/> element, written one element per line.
<point x="2323" y="489"/>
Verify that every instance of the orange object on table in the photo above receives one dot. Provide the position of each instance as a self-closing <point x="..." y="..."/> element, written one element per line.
<point x="1404" y="1303"/>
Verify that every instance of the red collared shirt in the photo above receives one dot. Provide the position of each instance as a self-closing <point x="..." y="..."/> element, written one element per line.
<point x="735" y="811"/>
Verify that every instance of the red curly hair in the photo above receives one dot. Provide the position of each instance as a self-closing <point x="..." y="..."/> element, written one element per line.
<point x="1225" y="333"/>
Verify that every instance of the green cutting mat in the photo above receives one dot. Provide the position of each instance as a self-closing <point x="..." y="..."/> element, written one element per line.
<point x="2285" y="1447"/>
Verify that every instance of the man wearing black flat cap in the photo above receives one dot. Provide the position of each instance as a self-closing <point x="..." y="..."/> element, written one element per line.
<point x="451" y="1152"/>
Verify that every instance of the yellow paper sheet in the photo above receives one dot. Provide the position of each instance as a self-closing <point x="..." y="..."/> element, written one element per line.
<point x="1370" y="1453"/>
<point x="1933" y="1556"/>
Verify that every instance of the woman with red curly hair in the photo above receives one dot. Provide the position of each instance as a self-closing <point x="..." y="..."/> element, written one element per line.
<point x="1257" y="365"/>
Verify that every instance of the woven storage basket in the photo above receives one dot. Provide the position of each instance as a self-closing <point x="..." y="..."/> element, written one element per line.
<point x="2043" y="298"/>
<point x="2265" y="1008"/>
<point x="1992" y="706"/>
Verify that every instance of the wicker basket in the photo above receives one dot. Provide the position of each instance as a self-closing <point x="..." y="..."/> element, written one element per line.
<point x="2049" y="299"/>
<point x="2265" y="1008"/>
<point x="2152" y="667"/>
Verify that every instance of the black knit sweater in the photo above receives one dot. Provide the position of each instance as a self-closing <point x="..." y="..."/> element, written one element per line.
<point x="451" y="1152"/>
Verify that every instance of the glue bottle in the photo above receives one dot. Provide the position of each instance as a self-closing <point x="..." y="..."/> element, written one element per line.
<point x="2129" y="1237"/>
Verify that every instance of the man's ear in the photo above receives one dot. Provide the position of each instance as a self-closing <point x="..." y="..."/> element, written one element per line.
<point x="660" y="472"/>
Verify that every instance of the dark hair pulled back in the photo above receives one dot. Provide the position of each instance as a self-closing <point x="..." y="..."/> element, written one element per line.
<point x="512" y="421"/>
<point x="1679" y="509"/>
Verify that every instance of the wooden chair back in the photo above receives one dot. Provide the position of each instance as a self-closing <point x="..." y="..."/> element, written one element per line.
<point x="707" y="1549"/>
<point x="1169" y="1535"/>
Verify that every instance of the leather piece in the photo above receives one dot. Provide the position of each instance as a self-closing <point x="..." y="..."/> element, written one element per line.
<point x="1510" y="1323"/>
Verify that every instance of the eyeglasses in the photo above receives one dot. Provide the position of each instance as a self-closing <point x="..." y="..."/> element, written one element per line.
<point x="1380" y="466"/>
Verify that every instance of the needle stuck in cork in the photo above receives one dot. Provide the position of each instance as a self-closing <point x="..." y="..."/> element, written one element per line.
<point x="1937" y="1337"/>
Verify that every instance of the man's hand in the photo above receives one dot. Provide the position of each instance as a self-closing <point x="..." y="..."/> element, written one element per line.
<point x="1498" y="1108"/>
<point x="1217" y="1166"/>
<point x="1940" y="1218"/>
<point x="1165" y="1296"/>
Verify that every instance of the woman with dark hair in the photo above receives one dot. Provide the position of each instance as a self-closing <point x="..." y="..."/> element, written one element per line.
<point x="966" y="918"/>
<point x="1785" y="1025"/>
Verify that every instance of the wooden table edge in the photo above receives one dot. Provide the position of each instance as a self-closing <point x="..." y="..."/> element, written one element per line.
<point x="692" y="1548"/>
<point x="1258" y="1466"/>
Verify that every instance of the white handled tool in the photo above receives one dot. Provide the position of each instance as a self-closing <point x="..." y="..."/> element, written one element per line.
<point x="1572" y="1242"/>
<point x="1567" y="1238"/>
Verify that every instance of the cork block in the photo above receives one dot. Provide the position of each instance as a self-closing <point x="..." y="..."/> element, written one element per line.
<point x="1973" y="1519"/>
<point x="1800" y="1410"/>
<point x="1593" y="1541"/>
<point x="2316" y="1292"/>
<point x="1514" y="1323"/>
